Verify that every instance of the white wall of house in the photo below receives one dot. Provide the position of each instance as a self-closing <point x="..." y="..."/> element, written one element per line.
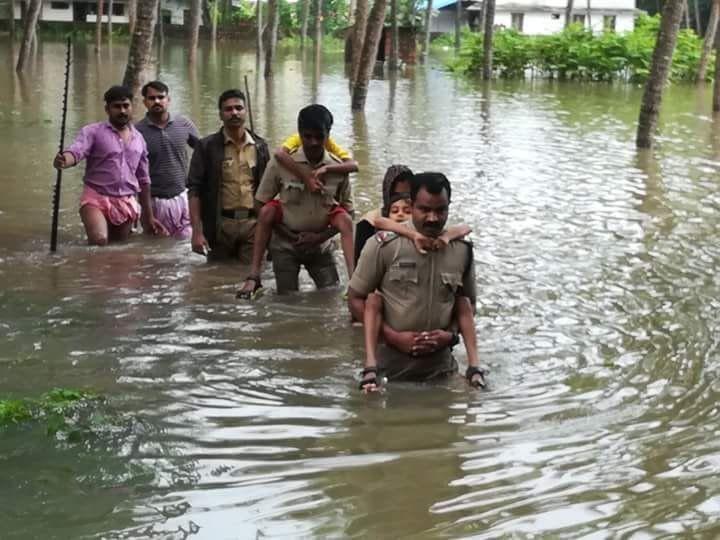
<point x="63" y="11"/>
<point x="547" y="17"/>
<point x="550" y="22"/>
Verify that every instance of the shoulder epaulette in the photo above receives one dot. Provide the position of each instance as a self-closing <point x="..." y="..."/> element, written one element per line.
<point x="383" y="237"/>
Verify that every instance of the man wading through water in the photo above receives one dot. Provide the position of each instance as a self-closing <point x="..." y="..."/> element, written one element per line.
<point x="116" y="171"/>
<point x="167" y="138"/>
<point x="225" y="170"/>
<point x="420" y="295"/>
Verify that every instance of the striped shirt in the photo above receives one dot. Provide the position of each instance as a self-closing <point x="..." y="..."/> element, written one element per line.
<point x="168" y="154"/>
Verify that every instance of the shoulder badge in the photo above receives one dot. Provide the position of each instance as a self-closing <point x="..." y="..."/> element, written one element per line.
<point x="383" y="237"/>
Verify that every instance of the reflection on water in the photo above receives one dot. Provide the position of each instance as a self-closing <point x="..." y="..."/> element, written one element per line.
<point x="598" y="314"/>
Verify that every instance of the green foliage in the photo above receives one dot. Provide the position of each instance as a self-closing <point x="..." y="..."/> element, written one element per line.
<point x="59" y="409"/>
<point x="576" y="53"/>
<point x="329" y="43"/>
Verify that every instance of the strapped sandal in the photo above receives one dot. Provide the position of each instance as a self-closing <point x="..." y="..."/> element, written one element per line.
<point x="471" y="371"/>
<point x="250" y="295"/>
<point x="372" y="380"/>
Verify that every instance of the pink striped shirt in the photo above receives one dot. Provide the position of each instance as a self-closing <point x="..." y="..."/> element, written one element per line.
<point x="114" y="168"/>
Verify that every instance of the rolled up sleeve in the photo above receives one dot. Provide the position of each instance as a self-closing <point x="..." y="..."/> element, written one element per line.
<point x="142" y="173"/>
<point x="196" y="174"/>
<point x="370" y="269"/>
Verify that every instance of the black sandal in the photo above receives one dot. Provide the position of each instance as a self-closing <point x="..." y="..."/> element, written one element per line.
<point x="249" y="295"/>
<point x="372" y="380"/>
<point x="470" y="372"/>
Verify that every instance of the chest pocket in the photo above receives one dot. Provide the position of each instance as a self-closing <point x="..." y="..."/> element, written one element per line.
<point x="291" y="191"/>
<point x="227" y="170"/>
<point x="404" y="275"/>
<point x="451" y="284"/>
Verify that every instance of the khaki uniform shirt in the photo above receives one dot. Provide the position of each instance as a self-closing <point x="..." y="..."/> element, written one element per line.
<point x="418" y="290"/>
<point x="237" y="180"/>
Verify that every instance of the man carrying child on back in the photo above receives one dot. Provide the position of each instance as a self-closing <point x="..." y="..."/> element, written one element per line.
<point x="303" y="220"/>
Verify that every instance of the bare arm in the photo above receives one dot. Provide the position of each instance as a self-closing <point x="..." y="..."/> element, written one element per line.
<point x="456" y="232"/>
<point x="422" y="243"/>
<point x="283" y="157"/>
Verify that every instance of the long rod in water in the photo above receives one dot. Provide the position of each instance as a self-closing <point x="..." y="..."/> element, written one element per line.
<point x="249" y="105"/>
<point x="58" y="179"/>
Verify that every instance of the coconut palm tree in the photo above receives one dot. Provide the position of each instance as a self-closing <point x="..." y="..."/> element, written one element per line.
<point x="139" y="55"/>
<point x="31" y="16"/>
<point x="369" y="54"/>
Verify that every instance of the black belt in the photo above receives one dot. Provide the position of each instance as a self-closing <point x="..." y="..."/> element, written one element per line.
<point x="243" y="213"/>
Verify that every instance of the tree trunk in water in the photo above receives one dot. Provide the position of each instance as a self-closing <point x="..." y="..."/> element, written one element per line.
<point x="659" y="71"/>
<point x="194" y="30"/>
<point x="458" y="23"/>
<point x="589" y="16"/>
<point x="132" y="15"/>
<point x="160" y="27"/>
<point x="698" y="28"/>
<point x="358" y="38"/>
<point x="369" y="54"/>
<point x="305" y="17"/>
<point x="394" y="62"/>
<point x="214" y="14"/>
<point x="568" y="13"/>
<point x="109" y="20"/>
<point x="258" y="29"/>
<point x="273" y="16"/>
<point x="716" y="85"/>
<point x="139" y="55"/>
<point x="488" y="39"/>
<point x="31" y="16"/>
<point x="426" y="38"/>
<point x="709" y="41"/>
<point x="98" y="25"/>
<point x="11" y="19"/>
<point x="318" y="22"/>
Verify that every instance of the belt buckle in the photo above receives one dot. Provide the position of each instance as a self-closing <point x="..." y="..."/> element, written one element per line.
<point x="238" y="214"/>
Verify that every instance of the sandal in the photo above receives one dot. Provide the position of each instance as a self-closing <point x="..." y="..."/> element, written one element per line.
<point x="250" y="294"/>
<point x="371" y="380"/>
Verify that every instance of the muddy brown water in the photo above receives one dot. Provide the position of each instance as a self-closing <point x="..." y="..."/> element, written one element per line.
<point x="598" y="315"/>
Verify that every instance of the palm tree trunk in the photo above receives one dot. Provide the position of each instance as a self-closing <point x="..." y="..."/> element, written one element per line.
<point x="305" y="17"/>
<point x="160" y="28"/>
<point x="31" y="16"/>
<point x="708" y="41"/>
<point x="568" y="13"/>
<point x="716" y="85"/>
<point x="273" y="16"/>
<point x="488" y="39"/>
<point x="258" y="29"/>
<point x="194" y="30"/>
<point x="687" y="14"/>
<point x="369" y="54"/>
<point x="109" y="19"/>
<point x="589" y="15"/>
<point x="458" y="23"/>
<point x="139" y="55"/>
<point x="11" y="19"/>
<point x="394" y="62"/>
<point x="98" y="25"/>
<point x="698" y="28"/>
<point x="358" y="38"/>
<point x="659" y="71"/>
<point x="132" y="15"/>
<point x="318" y="22"/>
<point x="214" y="14"/>
<point x="426" y="38"/>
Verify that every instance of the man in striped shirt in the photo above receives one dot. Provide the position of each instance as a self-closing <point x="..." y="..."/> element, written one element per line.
<point x="167" y="138"/>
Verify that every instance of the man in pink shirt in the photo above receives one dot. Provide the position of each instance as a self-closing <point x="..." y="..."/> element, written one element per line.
<point x="116" y="171"/>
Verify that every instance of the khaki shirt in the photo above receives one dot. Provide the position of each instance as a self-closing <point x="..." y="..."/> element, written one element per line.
<point x="418" y="290"/>
<point x="304" y="211"/>
<point x="237" y="180"/>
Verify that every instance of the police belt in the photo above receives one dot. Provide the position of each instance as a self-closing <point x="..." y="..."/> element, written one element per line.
<point x="242" y="213"/>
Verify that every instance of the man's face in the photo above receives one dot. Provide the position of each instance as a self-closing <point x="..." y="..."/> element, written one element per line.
<point x="156" y="101"/>
<point x="313" y="143"/>
<point x="233" y="113"/>
<point x="119" y="112"/>
<point x="430" y="212"/>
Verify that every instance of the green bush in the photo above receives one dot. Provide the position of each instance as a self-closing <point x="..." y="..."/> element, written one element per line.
<point x="576" y="53"/>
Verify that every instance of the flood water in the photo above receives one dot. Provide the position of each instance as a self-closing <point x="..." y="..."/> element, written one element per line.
<point x="598" y="315"/>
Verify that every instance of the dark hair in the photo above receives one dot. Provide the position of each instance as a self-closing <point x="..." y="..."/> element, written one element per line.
<point x="315" y="117"/>
<point x="433" y="182"/>
<point x="228" y="94"/>
<point x="393" y="175"/>
<point x="117" y="93"/>
<point x="155" y="85"/>
<point x="399" y="196"/>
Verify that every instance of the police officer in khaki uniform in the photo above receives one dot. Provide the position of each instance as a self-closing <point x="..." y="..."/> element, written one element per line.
<point x="299" y="219"/>
<point x="419" y="292"/>
<point x="225" y="171"/>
